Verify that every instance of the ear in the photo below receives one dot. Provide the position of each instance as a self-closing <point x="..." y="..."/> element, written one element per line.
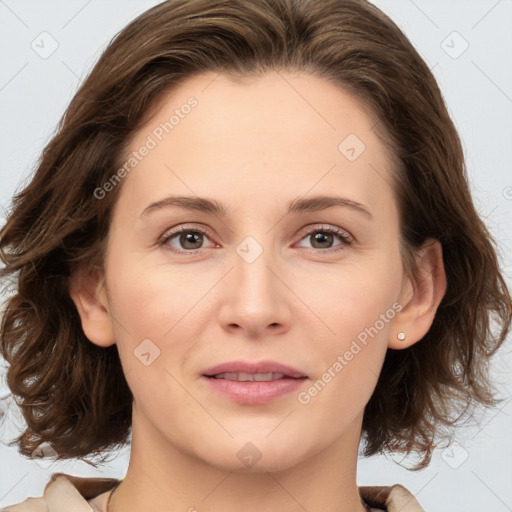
<point x="420" y="296"/>
<point x="89" y="295"/>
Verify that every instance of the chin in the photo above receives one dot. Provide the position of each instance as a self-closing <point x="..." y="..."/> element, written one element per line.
<point x="253" y="457"/>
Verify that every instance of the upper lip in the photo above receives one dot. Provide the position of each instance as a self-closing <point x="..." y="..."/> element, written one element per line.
<point x="252" y="368"/>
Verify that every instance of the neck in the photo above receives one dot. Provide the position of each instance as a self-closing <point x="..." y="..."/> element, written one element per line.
<point x="161" y="476"/>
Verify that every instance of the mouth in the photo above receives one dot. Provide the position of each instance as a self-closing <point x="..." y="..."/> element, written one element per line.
<point x="262" y="371"/>
<point x="253" y="377"/>
<point x="245" y="382"/>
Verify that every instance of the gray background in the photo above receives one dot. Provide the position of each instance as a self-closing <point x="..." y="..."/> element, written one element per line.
<point x="473" y="474"/>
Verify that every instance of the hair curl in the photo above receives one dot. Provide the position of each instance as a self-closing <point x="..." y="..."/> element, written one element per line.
<point x="72" y="393"/>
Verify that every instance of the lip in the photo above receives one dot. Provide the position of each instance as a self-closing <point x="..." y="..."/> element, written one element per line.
<point x="251" y="367"/>
<point x="254" y="392"/>
<point x="257" y="392"/>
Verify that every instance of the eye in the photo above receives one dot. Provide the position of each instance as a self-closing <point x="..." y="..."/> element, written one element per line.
<point x="322" y="237"/>
<point x="188" y="239"/>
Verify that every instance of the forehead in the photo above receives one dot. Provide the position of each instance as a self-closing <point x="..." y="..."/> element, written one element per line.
<point x="262" y="137"/>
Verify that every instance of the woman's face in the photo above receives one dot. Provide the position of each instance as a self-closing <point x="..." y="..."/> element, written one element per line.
<point x="190" y="288"/>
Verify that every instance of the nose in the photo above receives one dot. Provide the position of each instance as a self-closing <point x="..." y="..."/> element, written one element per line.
<point x="256" y="299"/>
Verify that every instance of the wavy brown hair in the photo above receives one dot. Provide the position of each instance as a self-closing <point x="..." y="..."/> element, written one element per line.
<point x="72" y="393"/>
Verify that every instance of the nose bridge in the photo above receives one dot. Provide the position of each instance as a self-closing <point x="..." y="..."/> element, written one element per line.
<point x="253" y="260"/>
<point x="256" y="297"/>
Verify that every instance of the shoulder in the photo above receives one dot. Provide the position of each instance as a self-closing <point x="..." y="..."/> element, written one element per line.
<point x="393" y="498"/>
<point x="63" y="489"/>
<point x="29" y="505"/>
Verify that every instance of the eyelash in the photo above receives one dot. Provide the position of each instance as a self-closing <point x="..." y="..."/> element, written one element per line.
<point x="345" y="238"/>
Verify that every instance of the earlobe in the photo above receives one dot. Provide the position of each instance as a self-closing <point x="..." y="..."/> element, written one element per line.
<point x="421" y="296"/>
<point x="89" y="295"/>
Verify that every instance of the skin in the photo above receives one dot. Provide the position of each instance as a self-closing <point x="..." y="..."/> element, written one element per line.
<point x="254" y="146"/>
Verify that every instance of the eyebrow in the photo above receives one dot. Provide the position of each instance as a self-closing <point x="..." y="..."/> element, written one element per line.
<point x="299" y="205"/>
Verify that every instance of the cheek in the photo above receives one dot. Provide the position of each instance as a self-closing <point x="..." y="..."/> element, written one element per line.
<point x="348" y="359"/>
<point x="158" y="316"/>
<point x="355" y="311"/>
<point x="352" y="298"/>
<point x="151" y="309"/>
<point x="151" y="299"/>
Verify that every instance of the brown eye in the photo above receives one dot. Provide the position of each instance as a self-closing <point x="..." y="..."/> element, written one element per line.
<point x="324" y="238"/>
<point x="190" y="238"/>
<point x="185" y="240"/>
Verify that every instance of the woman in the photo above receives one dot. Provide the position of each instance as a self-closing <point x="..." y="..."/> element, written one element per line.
<point x="250" y="244"/>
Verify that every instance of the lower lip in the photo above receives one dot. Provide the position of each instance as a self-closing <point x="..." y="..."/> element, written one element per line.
<point x="249" y="392"/>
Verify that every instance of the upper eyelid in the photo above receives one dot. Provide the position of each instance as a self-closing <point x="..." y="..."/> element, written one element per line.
<point x="183" y="227"/>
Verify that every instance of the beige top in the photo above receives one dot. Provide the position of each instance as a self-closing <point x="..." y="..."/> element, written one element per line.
<point x="68" y="493"/>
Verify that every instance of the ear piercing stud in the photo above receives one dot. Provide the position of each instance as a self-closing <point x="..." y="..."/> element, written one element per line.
<point x="401" y="336"/>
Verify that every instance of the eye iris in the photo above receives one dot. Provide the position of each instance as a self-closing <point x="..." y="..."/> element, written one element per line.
<point x="191" y="237"/>
<point x="321" y="238"/>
